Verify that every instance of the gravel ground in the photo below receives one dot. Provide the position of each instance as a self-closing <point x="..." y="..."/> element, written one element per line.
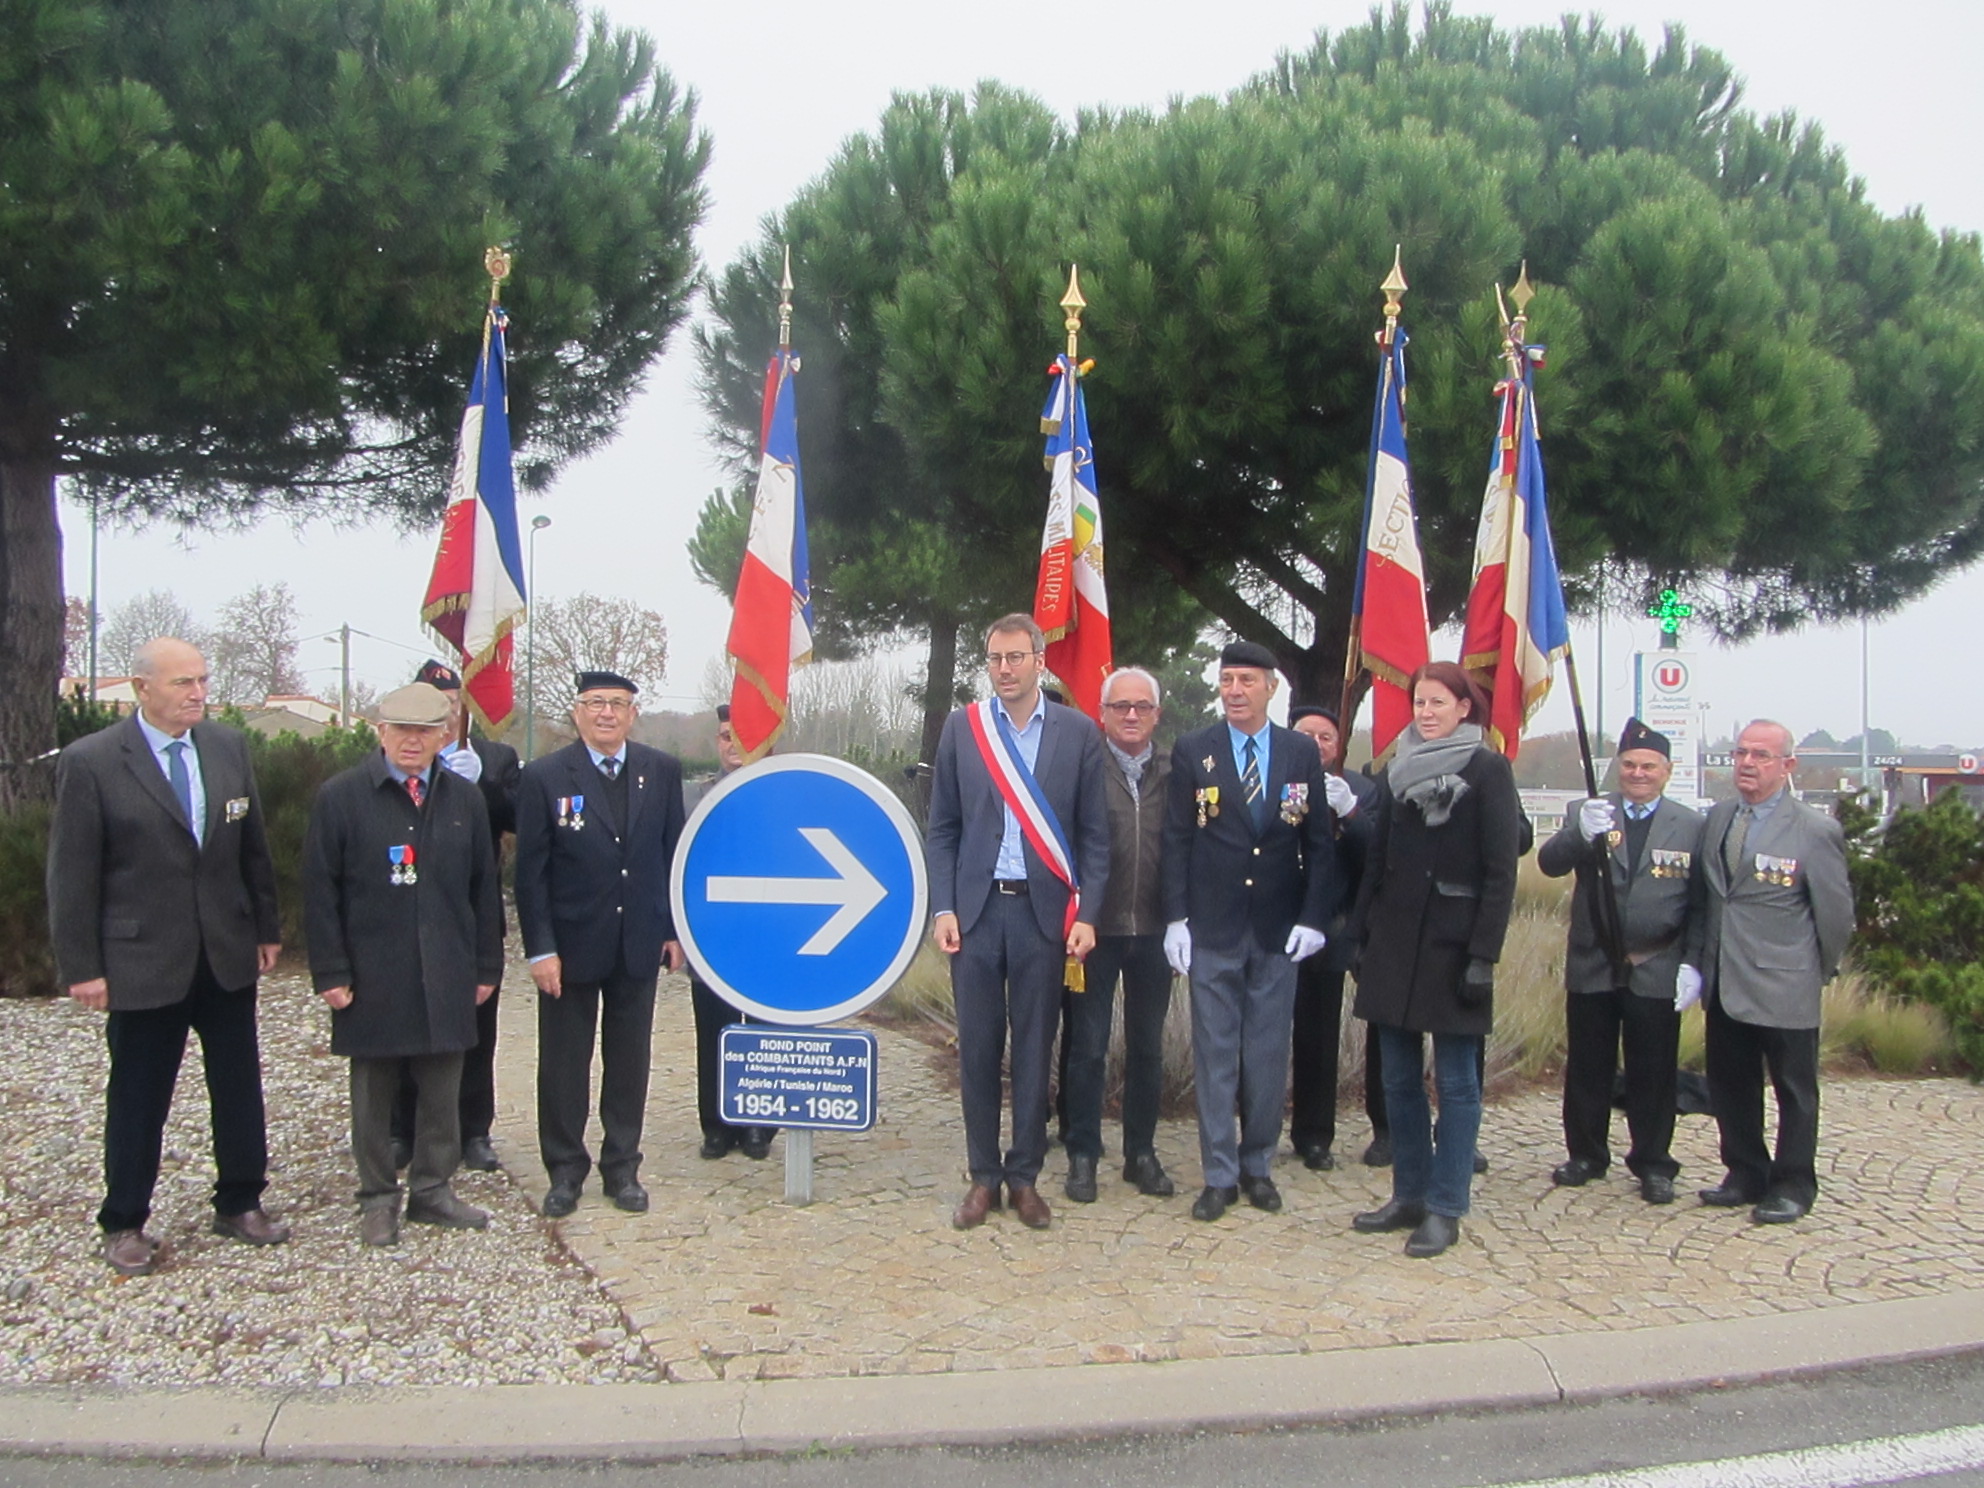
<point x="509" y="1305"/>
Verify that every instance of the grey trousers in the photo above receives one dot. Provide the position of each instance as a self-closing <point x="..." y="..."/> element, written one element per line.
<point x="1243" y="1019"/>
<point x="437" y="1127"/>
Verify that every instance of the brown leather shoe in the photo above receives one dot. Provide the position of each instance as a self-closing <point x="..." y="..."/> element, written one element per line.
<point x="130" y="1252"/>
<point x="979" y="1200"/>
<point x="1030" y="1206"/>
<point x="251" y="1228"/>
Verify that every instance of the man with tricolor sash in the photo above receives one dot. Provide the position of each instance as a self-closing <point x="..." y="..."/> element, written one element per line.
<point x="1018" y="846"/>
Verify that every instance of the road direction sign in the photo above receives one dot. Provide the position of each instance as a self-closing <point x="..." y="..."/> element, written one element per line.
<point x="799" y="889"/>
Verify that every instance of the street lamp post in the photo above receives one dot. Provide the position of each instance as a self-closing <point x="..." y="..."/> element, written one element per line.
<point x="537" y="525"/>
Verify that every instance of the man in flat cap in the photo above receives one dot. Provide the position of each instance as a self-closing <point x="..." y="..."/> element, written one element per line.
<point x="1649" y="846"/>
<point x="597" y="824"/>
<point x="1779" y="915"/>
<point x="401" y="907"/>
<point x="493" y="769"/>
<point x="1250" y="882"/>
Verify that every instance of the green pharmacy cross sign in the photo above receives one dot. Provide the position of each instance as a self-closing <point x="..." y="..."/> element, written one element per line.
<point x="1670" y="612"/>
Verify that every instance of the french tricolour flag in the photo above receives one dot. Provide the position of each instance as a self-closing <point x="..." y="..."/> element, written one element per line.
<point x="1388" y="611"/>
<point x="1070" y="601"/>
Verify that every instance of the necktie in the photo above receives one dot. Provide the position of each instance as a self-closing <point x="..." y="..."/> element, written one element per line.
<point x="182" y="782"/>
<point x="611" y="767"/>
<point x="1732" y="845"/>
<point x="417" y="788"/>
<point x="1250" y="783"/>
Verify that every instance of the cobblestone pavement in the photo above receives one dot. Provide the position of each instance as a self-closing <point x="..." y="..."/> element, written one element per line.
<point x="724" y="1279"/>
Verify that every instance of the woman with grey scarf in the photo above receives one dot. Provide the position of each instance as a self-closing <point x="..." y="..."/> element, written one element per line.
<point x="1434" y="905"/>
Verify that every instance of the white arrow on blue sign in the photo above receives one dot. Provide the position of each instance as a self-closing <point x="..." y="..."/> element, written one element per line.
<point x="799" y="889"/>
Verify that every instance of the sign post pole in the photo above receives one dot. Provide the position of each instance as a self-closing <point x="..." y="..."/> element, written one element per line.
<point x="799" y="1165"/>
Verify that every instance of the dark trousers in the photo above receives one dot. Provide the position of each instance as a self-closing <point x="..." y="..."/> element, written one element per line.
<point x="621" y="1011"/>
<point x="1006" y="977"/>
<point x="1374" y="1084"/>
<point x="713" y="1015"/>
<point x="1739" y="1057"/>
<point x="146" y="1047"/>
<point x="1313" y="1074"/>
<point x="435" y="1133"/>
<point x="1138" y="962"/>
<point x="1596" y="1023"/>
<point x="476" y="1107"/>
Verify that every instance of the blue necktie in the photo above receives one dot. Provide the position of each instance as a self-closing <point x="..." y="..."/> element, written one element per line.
<point x="182" y="783"/>
<point x="1250" y="783"/>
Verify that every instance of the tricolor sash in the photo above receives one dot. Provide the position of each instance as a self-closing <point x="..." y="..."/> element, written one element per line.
<point x="999" y="747"/>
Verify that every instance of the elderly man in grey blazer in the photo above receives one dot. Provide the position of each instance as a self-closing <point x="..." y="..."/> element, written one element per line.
<point x="1778" y="916"/>
<point x="162" y="909"/>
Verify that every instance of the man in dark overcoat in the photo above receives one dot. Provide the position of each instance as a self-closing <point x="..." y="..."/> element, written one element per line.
<point x="1249" y="885"/>
<point x="162" y="910"/>
<point x="401" y="909"/>
<point x="597" y="824"/>
<point x="1648" y="845"/>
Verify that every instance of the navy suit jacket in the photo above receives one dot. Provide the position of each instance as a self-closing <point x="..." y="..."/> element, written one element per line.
<point x="589" y="890"/>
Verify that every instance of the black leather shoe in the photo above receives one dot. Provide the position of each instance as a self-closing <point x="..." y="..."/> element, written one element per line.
<point x="1148" y="1174"/>
<point x="479" y="1154"/>
<point x="1480" y="1162"/>
<point x="1576" y="1173"/>
<point x="1725" y="1195"/>
<point x="1318" y="1159"/>
<point x="1657" y="1188"/>
<point x="715" y="1144"/>
<point x="1379" y="1153"/>
<point x="1261" y="1192"/>
<point x="1081" y="1179"/>
<point x="1213" y="1202"/>
<point x="1435" y="1234"/>
<point x="756" y="1143"/>
<point x="402" y="1153"/>
<point x="1777" y="1209"/>
<point x="560" y="1200"/>
<point x="629" y="1197"/>
<point x="1395" y="1214"/>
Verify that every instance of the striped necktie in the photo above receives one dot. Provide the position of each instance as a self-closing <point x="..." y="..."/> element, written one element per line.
<point x="1250" y="783"/>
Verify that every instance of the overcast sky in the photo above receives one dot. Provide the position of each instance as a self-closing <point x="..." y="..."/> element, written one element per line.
<point x="781" y="84"/>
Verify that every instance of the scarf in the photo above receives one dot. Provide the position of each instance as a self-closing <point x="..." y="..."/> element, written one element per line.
<point x="1132" y="765"/>
<point x="1426" y="772"/>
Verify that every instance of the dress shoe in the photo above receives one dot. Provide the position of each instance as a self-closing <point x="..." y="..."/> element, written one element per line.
<point x="480" y="1154"/>
<point x="1148" y="1174"/>
<point x="130" y="1252"/>
<point x="1379" y="1153"/>
<point x="1395" y="1214"/>
<point x="439" y="1206"/>
<point x="1480" y="1162"/>
<point x="1777" y="1209"/>
<point x="979" y="1200"/>
<point x="756" y="1143"/>
<point x="560" y="1200"/>
<point x="1576" y="1173"/>
<point x="1213" y="1202"/>
<point x="715" y="1144"/>
<point x="253" y="1227"/>
<point x="402" y="1154"/>
<point x="1030" y="1206"/>
<point x="379" y="1224"/>
<point x="1081" y="1179"/>
<point x="1725" y="1195"/>
<point x="1261" y="1192"/>
<point x="1318" y="1159"/>
<point x="1435" y="1234"/>
<point x="629" y="1197"/>
<point x="1657" y="1188"/>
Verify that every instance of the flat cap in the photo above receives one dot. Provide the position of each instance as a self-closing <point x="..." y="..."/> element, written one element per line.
<point x="416" y="705"/>
<point x="592" y="681"/>
<point x="1247" y="654"/>
<point x="1636" y="735"/>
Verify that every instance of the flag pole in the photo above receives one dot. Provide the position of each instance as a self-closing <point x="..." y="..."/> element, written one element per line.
<point x="496" y="263"/>
<point x="785" y="304"/>
<point x="1394" y="288"/>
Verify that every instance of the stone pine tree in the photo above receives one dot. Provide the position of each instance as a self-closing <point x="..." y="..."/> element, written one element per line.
<point x="240" y="262"/>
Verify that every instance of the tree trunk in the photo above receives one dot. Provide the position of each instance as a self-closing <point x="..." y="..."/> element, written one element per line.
<point x="30" y="628"/>
<point x="940" y="682"/>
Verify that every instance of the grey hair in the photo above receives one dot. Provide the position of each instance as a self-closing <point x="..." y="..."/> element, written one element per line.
<point x="1006" y="624"/>
<point x="145" y="662"/>
<point x="1790" y="749"/>
<point x="1109" y="682"/>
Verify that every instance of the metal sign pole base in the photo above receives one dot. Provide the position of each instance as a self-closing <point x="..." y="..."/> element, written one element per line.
<point x="798" y="1165"/>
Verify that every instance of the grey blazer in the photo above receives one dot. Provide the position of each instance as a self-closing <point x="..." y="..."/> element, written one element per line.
<point x="1659" y="900"/>
<point x="1772" y="938"/>
<point x="132" y="897"/>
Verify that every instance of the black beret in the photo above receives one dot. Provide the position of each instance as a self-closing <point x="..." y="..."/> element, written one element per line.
<point x="1636" y="735"/>
<point x="1313" y="710"/>
<point x="439" y="674"/>
<point x="723" y="712"/>
<point x="589" y="681"/>
<point x="1247" y="654"/>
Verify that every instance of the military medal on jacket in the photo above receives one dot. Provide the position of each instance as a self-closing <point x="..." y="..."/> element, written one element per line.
<point x="1207" y="797"/>
<point x="1295" y="803"/>
<point x="1781" y="872"/>
<point x="402" y="859"/>
<point x="571" y="811"/>
<point x="1671" y="863"/>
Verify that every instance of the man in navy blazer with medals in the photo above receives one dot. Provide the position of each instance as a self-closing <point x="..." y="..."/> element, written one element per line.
<point x="162" y="910"/>
<point x="1249" y="882"/>
<point x="597" y="824"/>
<point x="1778" y="915"/>
<point x="1650" y="846"/>
<point x="1006" y="914"/>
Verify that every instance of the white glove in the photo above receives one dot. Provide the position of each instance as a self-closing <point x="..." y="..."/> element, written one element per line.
<point x="1342" y="799"/>
<point x="465" y="762"/>
<point x="1687" y="988"/>
<point x="1178" y="946"/>
<point x="1303" y="943"/>
<point x="1594" y="819"/>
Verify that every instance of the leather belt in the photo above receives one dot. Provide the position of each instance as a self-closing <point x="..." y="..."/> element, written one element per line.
<point x="1014" y="887"/>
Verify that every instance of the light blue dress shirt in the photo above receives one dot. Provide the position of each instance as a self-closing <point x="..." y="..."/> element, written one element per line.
<point x="599" y="759"/>
<point x="1240" y="751"/>
<point x="1012" y="859"/>
<point x="158" y="739"/>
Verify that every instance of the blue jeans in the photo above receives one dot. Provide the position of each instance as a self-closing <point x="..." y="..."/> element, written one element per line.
<point x="1432" y="1164"/>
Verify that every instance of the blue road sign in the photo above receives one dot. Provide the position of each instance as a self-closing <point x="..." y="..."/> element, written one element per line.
<point x="819" y="1078"/>
<point x="799" y="889"/>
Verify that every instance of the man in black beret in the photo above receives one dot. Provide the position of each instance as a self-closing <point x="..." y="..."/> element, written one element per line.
<point x="1650" y="855"/>
<point x="597" y="824"/>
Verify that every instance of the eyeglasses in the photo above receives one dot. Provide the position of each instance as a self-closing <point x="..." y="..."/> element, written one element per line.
<point x="1125" y="709"/>
<point x="606" y="705"/>
<point x="1008" y="658"/>
<point x="1757" y="754"/>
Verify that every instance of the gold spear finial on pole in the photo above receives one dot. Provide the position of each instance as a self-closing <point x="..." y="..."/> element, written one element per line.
<point x="497" y="262"/>
<point x="1523" y="291"/>
<point x="1515" y="328"/>
<point x="1074" y="304"/>
<point x="785" y="304"/>
<point x="1394" y="288"/>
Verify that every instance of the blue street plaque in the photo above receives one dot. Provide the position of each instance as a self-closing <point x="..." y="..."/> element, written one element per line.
<point x="809" y="1078"/>
<point x="799" y="889"/>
